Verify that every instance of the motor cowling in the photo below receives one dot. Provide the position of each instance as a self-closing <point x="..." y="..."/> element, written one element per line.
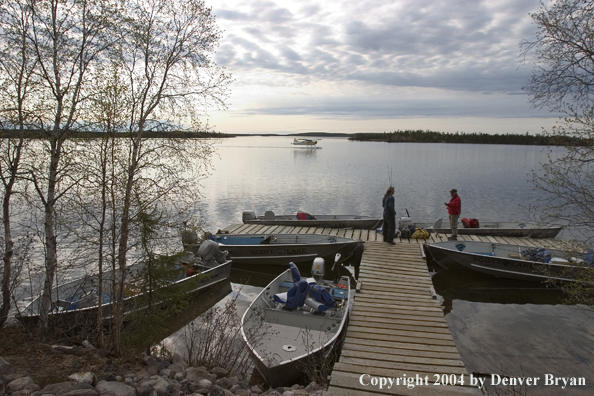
<point x="318" y="268"/>
<point x="248" y="215"/>
<point x="209" y="251"/>
<point x="404" y="222"/>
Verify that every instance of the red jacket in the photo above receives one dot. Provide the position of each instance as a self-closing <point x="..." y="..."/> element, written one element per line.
<point x="455" y="206"/>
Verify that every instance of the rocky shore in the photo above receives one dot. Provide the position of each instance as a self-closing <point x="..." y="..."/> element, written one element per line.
<point x="154" y="377"/>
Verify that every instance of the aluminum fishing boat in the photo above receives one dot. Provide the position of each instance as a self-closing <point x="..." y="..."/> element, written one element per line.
<point x="77" y="301"/>
<point x="303" y="219"/>
<point x="295" y="322"/>
<point x="280" y="249"/>
<point x="508" y="261"/>
<point x="511" y="229"/>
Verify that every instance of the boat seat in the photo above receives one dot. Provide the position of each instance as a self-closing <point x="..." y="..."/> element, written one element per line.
<point x="282" y="297"/>
<point x="287" y="285"/>
<point x="269" y="215"/>
<point x="321" y="295"/>
<point x="437" y="223"/>
<point x="297" y="294"/>
<point x="318" y="306"/>
<point x="295" y="272"/>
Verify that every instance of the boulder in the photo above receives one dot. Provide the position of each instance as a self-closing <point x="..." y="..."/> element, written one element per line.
<point x="82" y="392"/>
<point x="109" y="388"/>
<point x="195" y="374"/>
<point x="225" y="383"/>
<point x="75" y="387"/>
<point x="219" y="372"/>
<point x="53" y="389"/>
<point x="312" y="387"/>
<point x="216" y="391"/>
<point x="162" y="387"/>
<point x="6" y="368"/>
<point x="204" y="383"/>
<point x="255" y="389"/>
<point x="27" y="390"/>
<point x="18" y="384"/>
<point x="87" y="378"/>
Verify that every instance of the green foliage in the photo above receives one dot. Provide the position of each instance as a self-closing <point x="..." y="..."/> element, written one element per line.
<point x="157" y="297"/>
<point x="420" y="136"/>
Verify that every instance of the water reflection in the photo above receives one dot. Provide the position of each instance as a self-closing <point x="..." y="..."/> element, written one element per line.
<point x="517" y="328"/>
<point x="475" y="287"/>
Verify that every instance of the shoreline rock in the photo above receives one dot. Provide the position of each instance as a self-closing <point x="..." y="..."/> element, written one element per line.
<point x="157" y="378"/>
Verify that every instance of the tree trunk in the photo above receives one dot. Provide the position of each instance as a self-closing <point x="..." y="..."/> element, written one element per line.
<point x="51" y="256"/>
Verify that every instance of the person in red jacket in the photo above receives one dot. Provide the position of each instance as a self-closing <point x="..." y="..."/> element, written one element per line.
<point x="454" y="210"/>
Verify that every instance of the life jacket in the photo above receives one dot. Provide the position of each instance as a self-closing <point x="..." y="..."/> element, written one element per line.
<point x="470" y="223"/>
<point x="304" y="216"/>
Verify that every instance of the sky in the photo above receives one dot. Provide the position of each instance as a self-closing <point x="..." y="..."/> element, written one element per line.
<point x="377" y="66"/>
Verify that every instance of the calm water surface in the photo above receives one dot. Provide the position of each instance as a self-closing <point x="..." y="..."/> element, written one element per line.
<point x="499" y="326"/>
<point x="344" y="177"/>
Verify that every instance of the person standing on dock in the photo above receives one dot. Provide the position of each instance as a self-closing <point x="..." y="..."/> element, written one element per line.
<point x="454" y="210"/>
<point x="389" y="216"/>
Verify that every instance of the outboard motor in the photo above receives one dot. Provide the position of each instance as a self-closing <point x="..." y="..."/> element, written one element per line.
<point x="189" y="237"/>
<point x="209" y="251"/>
<point x="404" y="222"/>
<point x="317" y="269"/>
<point x="248" y="215"/>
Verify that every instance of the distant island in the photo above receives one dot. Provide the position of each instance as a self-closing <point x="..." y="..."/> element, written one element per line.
<point x="420" y="136"/>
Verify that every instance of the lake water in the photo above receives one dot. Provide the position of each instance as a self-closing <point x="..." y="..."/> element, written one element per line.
<point x="344" y="177"/>
<point x="499" y="326"/>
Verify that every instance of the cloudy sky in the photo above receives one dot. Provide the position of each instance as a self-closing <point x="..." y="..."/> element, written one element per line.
<point x="376" y="65"/>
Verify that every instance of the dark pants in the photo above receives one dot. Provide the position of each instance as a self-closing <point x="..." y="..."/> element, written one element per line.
<point x="389" y="227"/>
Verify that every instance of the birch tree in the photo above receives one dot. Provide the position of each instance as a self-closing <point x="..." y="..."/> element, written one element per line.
<point x="17" y="113"/>
<point x="68" y="38"/>
<point x="167" y="62"/>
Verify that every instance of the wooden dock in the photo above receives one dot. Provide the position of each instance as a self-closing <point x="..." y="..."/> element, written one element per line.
<point x="397" y="329"/>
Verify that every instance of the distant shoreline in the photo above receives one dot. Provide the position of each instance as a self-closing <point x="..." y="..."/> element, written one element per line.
<point x="407" y="136"/>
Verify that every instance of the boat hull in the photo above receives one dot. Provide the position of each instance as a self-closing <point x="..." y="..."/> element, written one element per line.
<point x="278" y="365"/>
<point x="498" y="229"/>
<point x="285" y="248"/>
<point x="197" y="284"/>
<point x="322" y="221"/>
<point x="475" y="257"/>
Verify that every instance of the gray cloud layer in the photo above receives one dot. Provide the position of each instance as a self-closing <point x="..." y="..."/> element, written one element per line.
<point x="455" y="45"/>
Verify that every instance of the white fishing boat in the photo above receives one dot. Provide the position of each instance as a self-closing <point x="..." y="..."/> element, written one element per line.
<point x="302" y="320"/>
<point x="496" y="228"/>
<point x="509" y="261"/>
